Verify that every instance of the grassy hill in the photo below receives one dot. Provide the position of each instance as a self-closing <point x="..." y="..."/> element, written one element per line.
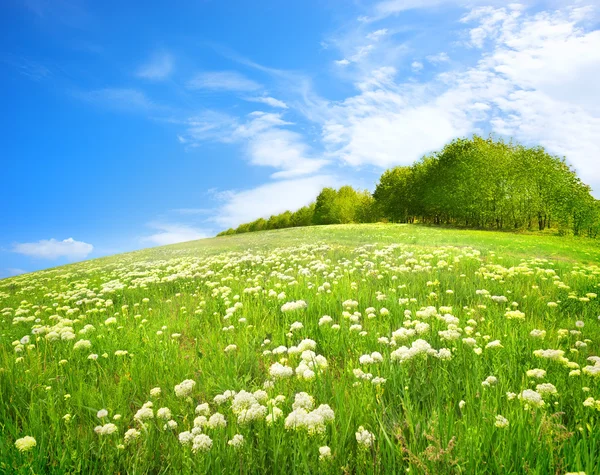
<point x="333" y="349"/>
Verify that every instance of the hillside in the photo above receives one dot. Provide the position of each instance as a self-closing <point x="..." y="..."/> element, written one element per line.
<point x="354" y="348"/>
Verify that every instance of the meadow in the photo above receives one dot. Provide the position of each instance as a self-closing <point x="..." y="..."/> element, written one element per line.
<point x="327" y="349"/>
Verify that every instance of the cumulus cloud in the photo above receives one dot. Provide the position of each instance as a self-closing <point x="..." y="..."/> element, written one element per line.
<point x="271" y="198"/>
<point x="172" y="233"/>
<point x="158" y="67"/>
<point x="53" y="249"/>
<point x="223" y="81"/>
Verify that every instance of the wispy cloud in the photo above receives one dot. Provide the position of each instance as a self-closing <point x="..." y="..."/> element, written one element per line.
<point x="158" y="67"/>
<point x="270" y="101"/>
<point x="172" y="233"/>
<point x="265" y="137"/>
<point x="53" y="249"/>
<point x="392" y="7"/>
<point x="122" y="99"/>
<point x="438" y="58"/>
<point x="30" y="69"/>
<point x="223" y="81"/>
<point x="191" y="211"/>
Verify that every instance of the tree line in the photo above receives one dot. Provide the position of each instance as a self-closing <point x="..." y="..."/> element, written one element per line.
<point x="476" y="182"/>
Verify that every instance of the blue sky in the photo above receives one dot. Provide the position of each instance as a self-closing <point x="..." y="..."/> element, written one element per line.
<point x="134" y="124"/>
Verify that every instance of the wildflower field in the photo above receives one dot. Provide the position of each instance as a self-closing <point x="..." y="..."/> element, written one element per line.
<point x="337" y="349"/>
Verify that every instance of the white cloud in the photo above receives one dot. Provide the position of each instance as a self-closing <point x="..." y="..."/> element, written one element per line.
<point x="416" y="66"/>
<point x="391" y="7"/>
<point x="159" y="67"/>
<point x="223" y="81"/>
<point x="265" y="138"/>
<point x="387" y="125"/>
<point x="208" y="125"/>
<point x="269" y="144"/>
<point x="375" y="35"/>
<point x="388" y="8"/>
<point x="536" y="81"/>
<point x="53" y="249"/>
<point x="271" y="198"/>
<point x="438" y="58"/>
<point x="172" y="233"/>
<point x="270" y="101"/>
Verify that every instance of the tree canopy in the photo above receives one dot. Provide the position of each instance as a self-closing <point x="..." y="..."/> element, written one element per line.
<point x="473" y="182"/>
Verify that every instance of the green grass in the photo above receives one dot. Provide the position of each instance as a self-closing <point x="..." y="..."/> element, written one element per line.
<point x="171" y="306"/>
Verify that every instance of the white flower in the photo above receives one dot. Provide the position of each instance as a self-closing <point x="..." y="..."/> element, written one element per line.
<point x="592" y="370"/>
<point x="131" y="435"/>
<point x="185" y="438"/>
<point x="203" y="409"/>
<point x="489" y="381"/>
<point x="536" y="373"/>
<point x="291" y="306"/>
<point x="217" y="420"/>
<point x="237" y="441"/>
<point x="144" y="414"/>
<point x="170" y="425"/>
<point x="515" y="315"/>
<point x="324" y="453"/>
<point x="325" y="320"/>
<point x="546" y="388"/>
<point x="155" y="392"/>
<point x="306" y="344"/>
<point x="494" y="344"/>
<point x="501" y="421"/>
<point x="304" y="401"/>
<point x="279" y="371"/>
<point x="25" y="444"/>
<point x="185" y="388"/>
<point x="364" y="438"/>
<point x="555" y="355"/>
<point x="164" y="413"/>
<point x="106" y="429"/>
<point x="201" y="443"/>
<point x="532" y="398"/>
<point x="101" y="413"/>
<point x="82" y="345"/>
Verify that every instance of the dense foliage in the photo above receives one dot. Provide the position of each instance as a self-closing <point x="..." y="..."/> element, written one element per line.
<point x="475" y="182"/>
